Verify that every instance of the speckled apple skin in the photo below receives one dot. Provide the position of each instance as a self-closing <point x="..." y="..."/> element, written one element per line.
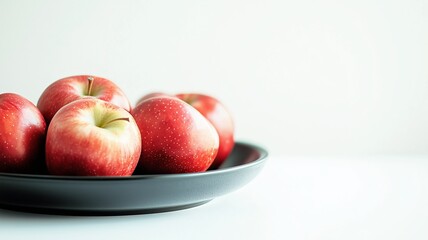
<point x="175" y="137"/>
<point x="22" y="135"/>
<point x="213" y="110"/>
<point x="72" y="88"/>
<point x="75" y="146"/>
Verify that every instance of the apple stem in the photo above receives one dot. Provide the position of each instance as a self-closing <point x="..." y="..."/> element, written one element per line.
<point x="90" y="83"/>
<point x="116" y="119"/>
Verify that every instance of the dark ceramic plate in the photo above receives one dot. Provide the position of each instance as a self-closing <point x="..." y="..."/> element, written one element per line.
<point x="129" y="195"/>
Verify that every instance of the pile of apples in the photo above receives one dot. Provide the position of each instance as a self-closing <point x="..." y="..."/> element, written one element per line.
<point x="86" y="126"/>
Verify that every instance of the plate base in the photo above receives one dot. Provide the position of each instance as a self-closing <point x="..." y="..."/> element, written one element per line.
<point x="73" y="212"/>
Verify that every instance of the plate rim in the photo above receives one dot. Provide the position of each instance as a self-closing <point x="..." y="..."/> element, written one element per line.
<point x="261" y="159"/>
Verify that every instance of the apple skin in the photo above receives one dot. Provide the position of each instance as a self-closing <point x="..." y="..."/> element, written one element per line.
<point x="217" y="114"/>
<point x="22" y="135"/>
<point x="91" y="137"/>
<point x="72" y="88"/>
<point x="152" y="94"/>
<point x="176" y="138"/>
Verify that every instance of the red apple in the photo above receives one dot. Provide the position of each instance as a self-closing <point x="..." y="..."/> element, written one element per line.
<point x="69" y="89"/>
<point x="213" y="110"/>
<point x="22" y="135"/>
<point x="176" y="137"/>
<point x="91" y="137"/>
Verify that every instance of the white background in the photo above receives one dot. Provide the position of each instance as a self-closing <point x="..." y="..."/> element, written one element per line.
<point x="337" y="91"/>
<point x="300" y="77"/>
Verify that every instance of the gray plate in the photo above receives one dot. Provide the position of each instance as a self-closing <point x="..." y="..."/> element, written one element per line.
<point x="129" y="195"/>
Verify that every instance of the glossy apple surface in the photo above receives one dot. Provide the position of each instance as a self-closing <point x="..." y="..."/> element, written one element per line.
<point x="176" y="138"/>
<point x="91" y="137"/>
<point x="69" y="89"/>
<point x="22" y="135"/>
<point x="213" y="110"/>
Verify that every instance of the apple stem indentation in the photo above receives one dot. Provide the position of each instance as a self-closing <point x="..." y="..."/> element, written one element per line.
<point x="90" y="83"/>
<point x="189" y="98"/>
<point x="114" y="120"/>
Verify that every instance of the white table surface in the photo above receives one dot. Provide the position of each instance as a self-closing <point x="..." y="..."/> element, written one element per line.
<point x="294" y="197"/>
